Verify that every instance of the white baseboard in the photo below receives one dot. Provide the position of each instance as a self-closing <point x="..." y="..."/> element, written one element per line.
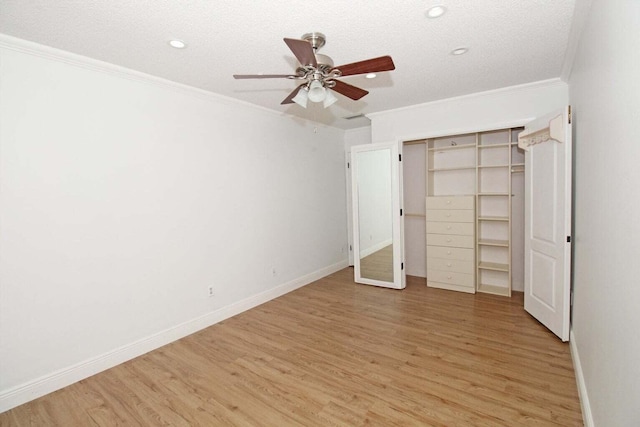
<point x="67" y="376"/>
<point x="587" y="417"/>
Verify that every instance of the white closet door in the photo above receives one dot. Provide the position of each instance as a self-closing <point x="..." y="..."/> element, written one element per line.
<point x="548" y="226"/>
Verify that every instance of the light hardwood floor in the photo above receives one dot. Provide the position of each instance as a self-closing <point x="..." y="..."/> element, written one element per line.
<point x="338" y="353"/>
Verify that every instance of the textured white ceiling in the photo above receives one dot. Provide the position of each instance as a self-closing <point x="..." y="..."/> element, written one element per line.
<point x="510" y="42"/>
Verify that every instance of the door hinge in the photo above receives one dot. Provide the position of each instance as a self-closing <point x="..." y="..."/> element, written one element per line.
<point x="568" y="239"/>
<point x="350" y="247"/>
<point x="400" y="212"/>
<point x="402" y="266"/>
<point x="348" y="165"/>
<point x="399" y="157"/>
<point x="569" y="115"/>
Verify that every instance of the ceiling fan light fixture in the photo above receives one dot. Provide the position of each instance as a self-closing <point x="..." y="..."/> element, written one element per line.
<point x="317" y="92"/>
<point x="329" y="99"/>
<point x="301" y="98"/>
<point x="370" y="76"/>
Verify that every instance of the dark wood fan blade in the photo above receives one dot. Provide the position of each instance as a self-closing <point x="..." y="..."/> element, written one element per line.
<point x="289" y="99"/>
<point x="374" y="65"/>
<point x="263" y="76"/>
<point x="303" y="51"/>
<point x="349" y="91"/>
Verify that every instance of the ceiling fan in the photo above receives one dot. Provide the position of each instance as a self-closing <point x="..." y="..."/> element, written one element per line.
<point x="319" y="74"/>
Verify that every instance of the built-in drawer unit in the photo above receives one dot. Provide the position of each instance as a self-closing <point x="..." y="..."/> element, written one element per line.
<point x="451" y="280"/>
<point x="451" y="247"/>
<point x="459" y="228"/>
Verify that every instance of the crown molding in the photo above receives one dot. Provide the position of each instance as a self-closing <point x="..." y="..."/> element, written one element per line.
<point x="73" y="59"/>
<point x="488" y="93"/>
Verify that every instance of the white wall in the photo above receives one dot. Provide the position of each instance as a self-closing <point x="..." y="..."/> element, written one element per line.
<point x="123" y="197"/>
<point x="359" y="136"/>
<point x="605" y="94"/>
<point x="414" y="170"/>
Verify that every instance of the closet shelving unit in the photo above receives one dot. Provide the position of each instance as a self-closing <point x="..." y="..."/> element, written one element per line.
<point x="450" y="224"/>
<point x="493" y="221"/>
<point x="451" y="165"/>
<point x="482" y="165"/>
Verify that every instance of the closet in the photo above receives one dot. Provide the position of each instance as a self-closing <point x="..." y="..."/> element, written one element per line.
<point x="464" y="201"/>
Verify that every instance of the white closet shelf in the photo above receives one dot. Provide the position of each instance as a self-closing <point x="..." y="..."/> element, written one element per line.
<point x="452" y="147"/>
<point x="457" y="168"/>
<point x="493" y="194"/>
<point x="495" y="266"/>
<point x="492" y="166"/>
<point x="493" y="242"/>
<point x="493" y="289"/>
<point x="506" y="144"/>
<point x="493" y="218"/>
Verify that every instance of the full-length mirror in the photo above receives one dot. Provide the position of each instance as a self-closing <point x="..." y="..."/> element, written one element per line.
<point x="377" y="221"/>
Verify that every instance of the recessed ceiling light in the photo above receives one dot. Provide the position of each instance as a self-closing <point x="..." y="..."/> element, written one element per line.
<point x="459" y="51"/>
<point x="436" y="11"/>
<point x="178" y="44"/>
<point x="370" y="76"/>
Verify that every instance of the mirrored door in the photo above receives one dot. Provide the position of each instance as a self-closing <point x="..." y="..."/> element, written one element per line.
<point x="377" y="222"/>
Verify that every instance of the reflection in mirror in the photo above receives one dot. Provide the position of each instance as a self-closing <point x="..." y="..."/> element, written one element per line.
<point x="375" y="221"/>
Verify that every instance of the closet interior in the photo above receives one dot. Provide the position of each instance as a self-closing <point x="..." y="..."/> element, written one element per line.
<point x="464" y="211"/>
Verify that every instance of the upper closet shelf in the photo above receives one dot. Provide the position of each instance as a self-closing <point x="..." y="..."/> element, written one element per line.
<point x="492" y="166"/>
<point x="458" y="168"/>
<point x="501" y="145"/>
<point x="452" y="147"/>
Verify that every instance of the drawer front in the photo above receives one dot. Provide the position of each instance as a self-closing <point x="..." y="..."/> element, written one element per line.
<point x="461" y="254"/>
<point x="447" y="215"/>
<point x="451" y="278"/>
<point x="460" y="228"/>
<point x="450" y="240"/>
<point x="452" y="265"/>
<point x="450" y="202"/>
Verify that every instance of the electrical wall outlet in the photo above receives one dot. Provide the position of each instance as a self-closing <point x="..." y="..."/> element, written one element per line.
<point x="210" y="289"/>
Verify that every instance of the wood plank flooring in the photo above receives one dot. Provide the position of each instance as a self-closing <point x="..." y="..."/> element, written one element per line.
<point x="335" y="353"/>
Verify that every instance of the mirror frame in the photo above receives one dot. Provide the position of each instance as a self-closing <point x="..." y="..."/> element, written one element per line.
<point x="399" y="275"/>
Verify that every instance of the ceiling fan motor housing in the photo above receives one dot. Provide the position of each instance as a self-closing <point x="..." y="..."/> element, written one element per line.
<point x="317" y="40"/>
